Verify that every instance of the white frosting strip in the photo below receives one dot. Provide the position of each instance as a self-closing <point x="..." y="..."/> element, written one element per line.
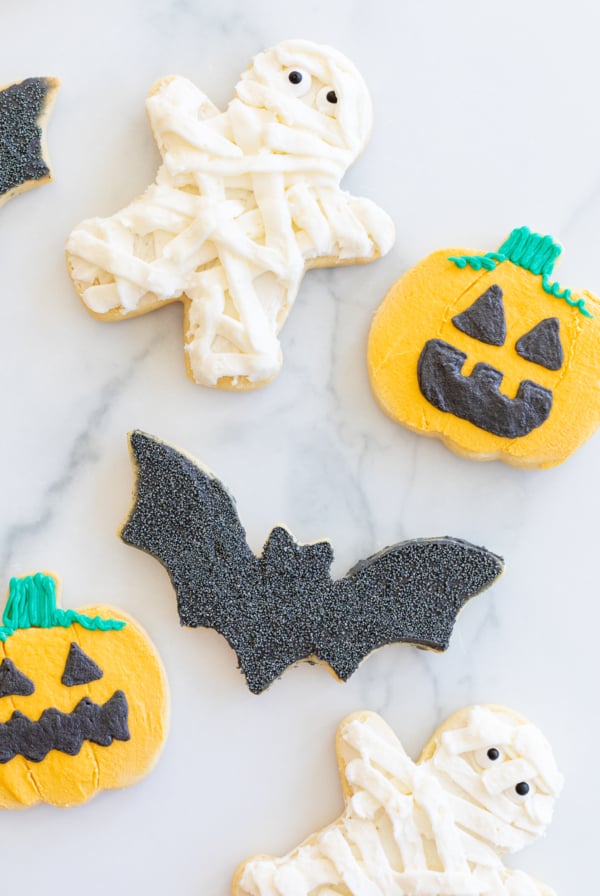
<point x="245" y="201"/>
<point x="435" y="829"/>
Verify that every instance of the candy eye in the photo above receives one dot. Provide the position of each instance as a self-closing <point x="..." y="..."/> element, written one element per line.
<point x="520" y="792"/>
<point x="298" y="82"/>
<point x="327" y="101"/>
<point x="489" y="756"/>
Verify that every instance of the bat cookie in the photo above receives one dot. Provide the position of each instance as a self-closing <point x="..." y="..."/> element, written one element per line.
<point x="489" y="354"/>
<point x="25" y="108"/>
<point x="485" y="786"/>
<point x="283" y="607"/>
<point x="244" y="203"/>
<point x="83" y="699"/>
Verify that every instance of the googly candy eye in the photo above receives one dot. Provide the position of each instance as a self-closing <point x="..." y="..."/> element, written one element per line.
<point x="297" y="81"/>
<point x="521" y="791"/>
<point x="327" y="101"/>
<point x="488" y="757"/>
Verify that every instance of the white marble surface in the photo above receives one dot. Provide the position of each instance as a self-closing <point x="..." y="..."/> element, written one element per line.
<point x="486" y="118"/>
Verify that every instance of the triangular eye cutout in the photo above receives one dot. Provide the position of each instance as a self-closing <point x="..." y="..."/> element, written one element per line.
<point x="12" y="682"/>
<point x="79" y="668"/>
<point x="484" y="320"/>
<point x="542" y="345"/>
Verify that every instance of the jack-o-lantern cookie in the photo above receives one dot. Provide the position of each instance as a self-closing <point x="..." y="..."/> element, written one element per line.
<point x="83" y="699"/>
<point x="485" y="786"/>
<point x="489" y="354"/>
<point x="246" y="200"/>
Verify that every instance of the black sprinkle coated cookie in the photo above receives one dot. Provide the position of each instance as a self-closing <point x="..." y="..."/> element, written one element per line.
<point x="283" y="607"/>
<point x="24" y="109"/>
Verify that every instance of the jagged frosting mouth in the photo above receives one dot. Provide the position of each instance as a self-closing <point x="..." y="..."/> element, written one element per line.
<point x="476" y="397"/>
<point x="66" y="732"/>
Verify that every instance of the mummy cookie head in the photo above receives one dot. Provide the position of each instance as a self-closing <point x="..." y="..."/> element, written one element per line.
<point x="83" y="699"/>
<point x="505" y="766"/>
<point x="488" y="353"/>
<point x="484" y="786"/>
<point x="316" y="92"/>
<point x="246" y="200"/>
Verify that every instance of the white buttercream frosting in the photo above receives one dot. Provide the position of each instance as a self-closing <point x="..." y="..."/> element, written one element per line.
<point x="430" y="828"/>
<point x="244" y="202"/>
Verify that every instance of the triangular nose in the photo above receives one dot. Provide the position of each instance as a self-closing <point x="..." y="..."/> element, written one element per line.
<point x="484" y="320"/>
<point x="12" y="682"/>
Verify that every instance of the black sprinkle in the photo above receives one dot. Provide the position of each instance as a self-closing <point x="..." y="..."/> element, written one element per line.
<point x="21" y="106"/>
<point x="332" y="97"/>
<point x="284" y="607"/>
<point x="522" y="788"/>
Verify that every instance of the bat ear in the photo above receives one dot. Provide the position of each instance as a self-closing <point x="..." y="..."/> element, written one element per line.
<point x="364" y="740"/>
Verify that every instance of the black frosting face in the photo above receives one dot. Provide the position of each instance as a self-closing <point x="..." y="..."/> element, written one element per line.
<point x="477" y="398"/>
<point x="284" y="606"/>
<point x="21" y="159"/>
<point x="66" y="732"/>
<point x="56" y="730"/>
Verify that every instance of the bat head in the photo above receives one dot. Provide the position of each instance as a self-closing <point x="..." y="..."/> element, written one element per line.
<point x="502" y="764"/>
<point x="316" y="91"/>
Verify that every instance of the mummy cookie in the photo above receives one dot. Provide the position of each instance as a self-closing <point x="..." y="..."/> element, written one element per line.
<point x="245" y="201"/>
<point x="489" y="354"/>
<point x="83" y="699"/>
<point x="24" y="110"/>
<point x="484" y="787"/>
<point x="283" y="607"/>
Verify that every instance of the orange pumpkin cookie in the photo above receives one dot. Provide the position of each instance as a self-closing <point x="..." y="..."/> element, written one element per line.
<point x="83" y="699"/>
<point x="487" y="353"/>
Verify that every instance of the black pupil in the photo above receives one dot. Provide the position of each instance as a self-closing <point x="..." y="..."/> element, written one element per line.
<point x="295" y="77"/>
<point x="522" y="788"/>
<point x="493" y="754"/>
<point x="332" y="97"/>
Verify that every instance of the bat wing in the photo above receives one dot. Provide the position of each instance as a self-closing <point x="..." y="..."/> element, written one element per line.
<point x="24" y="110"/>
<point x="187" y="519"/>
<point x="411" y="592"/>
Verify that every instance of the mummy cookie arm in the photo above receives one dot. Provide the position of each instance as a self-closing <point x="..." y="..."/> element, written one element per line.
<point x="177" y="111"/>
<point x="518" y="883"/>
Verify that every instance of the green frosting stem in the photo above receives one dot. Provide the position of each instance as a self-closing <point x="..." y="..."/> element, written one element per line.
<point x="533" y="253"/>
<point x="32" y="604"/>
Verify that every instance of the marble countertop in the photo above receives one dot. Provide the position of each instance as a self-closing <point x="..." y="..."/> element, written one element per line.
<point x="485" y="119"/>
